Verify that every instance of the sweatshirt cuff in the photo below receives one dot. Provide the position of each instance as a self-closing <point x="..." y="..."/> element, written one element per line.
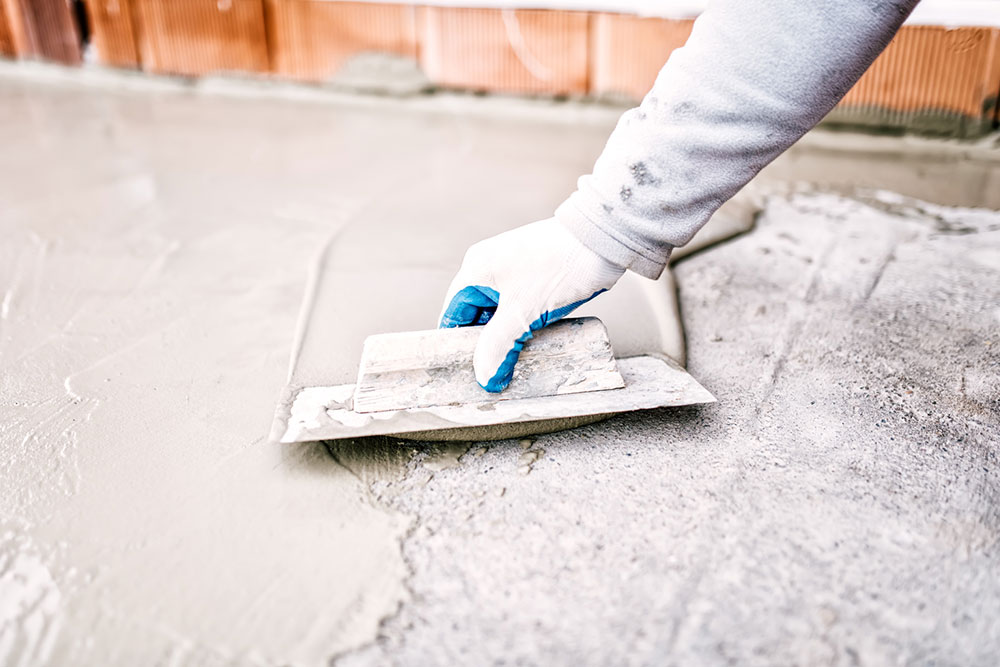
<point x="607" y="245"/>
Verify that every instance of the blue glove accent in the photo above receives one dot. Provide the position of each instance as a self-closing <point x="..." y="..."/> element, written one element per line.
<point x="471" y="306"/>
<point x="505" y="373"/>
<point x="475" y="305"/>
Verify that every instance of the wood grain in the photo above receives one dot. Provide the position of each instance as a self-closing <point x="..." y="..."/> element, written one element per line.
<point x="6" y="38"/>
<point x="44" y="29"/>
<point x="197" y="37"/>
<point x="312" y="39"/>
<point x="627" y="52"/>
<point x="112" y="32"/>
<point x="507" y="50"/>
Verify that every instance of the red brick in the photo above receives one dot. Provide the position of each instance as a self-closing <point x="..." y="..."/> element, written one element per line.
<point x="930" y="76"/>
<point x="112" y="32"/>
<point x="196" y="37"/>
<point x="6" y="38"/>
<point x="521" y="51"/>
<point x="44" y="29"/>
<point x="312" y="39"/>
<point x="627" y="52"/>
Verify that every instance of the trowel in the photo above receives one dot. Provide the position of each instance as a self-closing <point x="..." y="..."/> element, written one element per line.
<point x="421" y="385"/>
<point x="362" y="363"/>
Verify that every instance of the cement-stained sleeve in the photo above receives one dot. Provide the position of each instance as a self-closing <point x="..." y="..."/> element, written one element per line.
<point x="751" y="80"/>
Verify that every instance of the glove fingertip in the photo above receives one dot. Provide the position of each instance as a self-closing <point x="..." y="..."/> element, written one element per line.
<point x="499" y="381"/>
<point x="494" y="376"/>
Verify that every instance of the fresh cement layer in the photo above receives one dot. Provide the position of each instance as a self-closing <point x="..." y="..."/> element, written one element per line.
<point x="150" y="275"/>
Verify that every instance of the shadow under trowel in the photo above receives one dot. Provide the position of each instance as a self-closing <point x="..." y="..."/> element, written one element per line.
<point x="367" y="458"/>
<point x="371" y="458"/>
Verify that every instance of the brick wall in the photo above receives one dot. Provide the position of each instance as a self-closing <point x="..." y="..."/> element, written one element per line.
<point x="312" y="40"/>
<point x="519" y="51"/>
<point x="43" y="29"/>
<point x="6" y="39"/>
<point x="930" y="78"/>
<point x="113" y="32"/>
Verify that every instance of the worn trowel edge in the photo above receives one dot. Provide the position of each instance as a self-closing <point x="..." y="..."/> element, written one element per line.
<point x="308" y="414"/>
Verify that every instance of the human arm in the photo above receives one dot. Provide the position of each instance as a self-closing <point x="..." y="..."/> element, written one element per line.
<point x="753" y="77"/>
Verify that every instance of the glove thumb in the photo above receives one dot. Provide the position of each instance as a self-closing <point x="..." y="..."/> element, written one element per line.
<point x="499" y="346"/>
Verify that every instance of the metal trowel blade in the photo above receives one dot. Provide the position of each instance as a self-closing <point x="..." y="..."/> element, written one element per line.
<point x="420" y="369"/>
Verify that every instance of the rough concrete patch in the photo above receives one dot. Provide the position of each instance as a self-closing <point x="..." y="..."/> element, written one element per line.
<point x="735" y="217"/>
<point x="445" y="456"/>
<point x="30" y="601"/>
<point x="838" y="506"/>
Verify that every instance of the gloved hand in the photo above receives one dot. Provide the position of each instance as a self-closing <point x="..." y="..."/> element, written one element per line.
<point x="516" y="283"/>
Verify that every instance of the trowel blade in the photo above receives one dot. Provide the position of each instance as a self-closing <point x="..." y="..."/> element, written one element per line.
<point x="420" y="369"/>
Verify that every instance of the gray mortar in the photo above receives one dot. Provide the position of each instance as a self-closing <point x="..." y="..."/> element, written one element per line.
<point x="837" y="506"/>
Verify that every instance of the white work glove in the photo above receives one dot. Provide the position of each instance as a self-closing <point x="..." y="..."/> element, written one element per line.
<point x="516" y="283"/>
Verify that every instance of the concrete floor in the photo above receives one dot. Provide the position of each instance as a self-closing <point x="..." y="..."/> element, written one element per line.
<point x="837" y="506"/>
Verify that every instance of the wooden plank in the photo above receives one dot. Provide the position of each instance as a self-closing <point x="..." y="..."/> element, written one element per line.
<point x="506" y="50"/>
<point x="428" y="368"/>
<point x="312" y="39"/>
<point x="930" y="78"/>
<point x="627" y="52"/>
<point x="18" y="35"/>
<point x="113" y="32"/>
<point x="6" y="38"/>
<point x="44" y="29"/>
<point x="56" y="31"/>
<point x="196" y="37"/>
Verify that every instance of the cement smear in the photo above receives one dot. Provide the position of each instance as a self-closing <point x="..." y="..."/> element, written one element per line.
<point x="152" y="265"/>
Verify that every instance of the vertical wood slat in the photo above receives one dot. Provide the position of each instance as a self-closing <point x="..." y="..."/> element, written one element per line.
<point x="949" y="75"/>
<point x="18" y="33"/>
<point x="43" y="29"/>
<point x="56" y="31"/>
<point x="993" y="74"/>
<point x="930" y="78"/>
<point x="627" y="52"/>
<point x="6" y="38"/>
<point x="520" y="51"/>
<point x="196" y="37"/>
<point x="312" y="39"/>
<point x="14" y="28"/>
<point x="112" y="32"/>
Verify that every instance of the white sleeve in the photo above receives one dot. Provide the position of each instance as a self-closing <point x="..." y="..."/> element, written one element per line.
<point x="754" y="76"/>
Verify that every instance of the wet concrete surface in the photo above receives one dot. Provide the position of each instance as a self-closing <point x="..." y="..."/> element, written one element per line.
<point x="837" y="506"/>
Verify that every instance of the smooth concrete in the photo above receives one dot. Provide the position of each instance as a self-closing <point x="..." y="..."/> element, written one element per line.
<point x="838" y="505"/>
<point x="152" y="264"/>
